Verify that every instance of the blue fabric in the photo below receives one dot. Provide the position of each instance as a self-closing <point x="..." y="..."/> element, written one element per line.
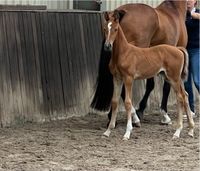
<point x="193" y="74"/>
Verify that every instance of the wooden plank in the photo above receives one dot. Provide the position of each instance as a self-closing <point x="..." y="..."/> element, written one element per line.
<point x="72" y="78"/>
<point x="57" y="89"/>
<point x="14" y="68"/>
<point x="46" y="49"/>
<point x="8" y="101"/>
<point x="78" y="68"/>
<point x="89" y="46"/>
<point x="42" y="58"/>
<point x="27" y="87"/>
<point x="39" y="92"/>
<point x="2" y="73"/>
<point x="86" y="81"/>
<point x="30" y="62"/>
<point x="64" y="60"/>
<point x="21" y="67"/>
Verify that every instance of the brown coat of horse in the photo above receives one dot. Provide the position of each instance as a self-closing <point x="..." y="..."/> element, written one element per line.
<point x="129" y="62"/>
<point x="144" y="26"/>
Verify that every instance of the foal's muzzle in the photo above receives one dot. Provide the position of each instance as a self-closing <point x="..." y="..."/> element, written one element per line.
<point x="107" y="47"/>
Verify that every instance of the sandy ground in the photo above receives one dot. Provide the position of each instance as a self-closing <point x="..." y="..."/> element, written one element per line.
<point x="77" y="144"/>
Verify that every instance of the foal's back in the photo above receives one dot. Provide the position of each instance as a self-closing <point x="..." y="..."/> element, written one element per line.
<point x="147" y="62"/>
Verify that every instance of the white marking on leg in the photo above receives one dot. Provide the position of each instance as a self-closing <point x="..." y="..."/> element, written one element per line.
<point x="166" y="119"/>
<point x="128" y="130"/>
<point x="109" y="29"/>
<point x="135" y="117"/>
<point x="177" y="133"/>
<point x="107" y="132"/>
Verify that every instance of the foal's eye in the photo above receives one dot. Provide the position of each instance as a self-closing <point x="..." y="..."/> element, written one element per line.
<point x="115" y="29"/>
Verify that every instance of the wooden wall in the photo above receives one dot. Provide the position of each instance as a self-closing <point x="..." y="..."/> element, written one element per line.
<point x="48" y="64"/>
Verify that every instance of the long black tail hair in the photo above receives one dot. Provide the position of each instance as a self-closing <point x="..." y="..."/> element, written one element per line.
<point x="104" y="84"/>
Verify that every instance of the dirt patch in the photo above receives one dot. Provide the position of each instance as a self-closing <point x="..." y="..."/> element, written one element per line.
<point x="76" y="144"/>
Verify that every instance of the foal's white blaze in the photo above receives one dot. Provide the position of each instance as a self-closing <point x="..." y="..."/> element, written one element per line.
<point x="109" y="29"/>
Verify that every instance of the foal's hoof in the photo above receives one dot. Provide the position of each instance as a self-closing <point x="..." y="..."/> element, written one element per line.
<point x="107" y="133"/>
<point x="138" y="124"/>
<point x="191" y="133"/>
<point x="139" y="114"/>
<point x="175" y="137"/>
<point x="125" y="139"/>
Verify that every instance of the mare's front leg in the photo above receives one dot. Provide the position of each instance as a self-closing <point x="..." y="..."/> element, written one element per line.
<point x="114" y="104"/>
<point x="128" y="105"/>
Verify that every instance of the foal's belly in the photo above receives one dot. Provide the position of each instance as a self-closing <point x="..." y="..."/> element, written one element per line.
<point x="147" y="73"/>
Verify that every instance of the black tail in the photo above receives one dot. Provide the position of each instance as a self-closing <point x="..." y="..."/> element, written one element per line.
<point x="104" y="85"/>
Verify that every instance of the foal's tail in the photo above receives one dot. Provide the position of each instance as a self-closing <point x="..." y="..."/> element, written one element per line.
<point x="104" y="83"/>
<point x="184" y="74"/>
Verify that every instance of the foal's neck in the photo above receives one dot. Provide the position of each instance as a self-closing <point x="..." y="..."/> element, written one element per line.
<point x="121" y="43"/>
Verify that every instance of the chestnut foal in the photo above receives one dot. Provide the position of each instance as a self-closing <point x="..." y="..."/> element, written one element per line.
<point x="129" y="62"/>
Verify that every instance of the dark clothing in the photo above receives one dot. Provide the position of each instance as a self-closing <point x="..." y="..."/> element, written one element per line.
<point x="194" y="57"/>
<point x="193" y="31"/>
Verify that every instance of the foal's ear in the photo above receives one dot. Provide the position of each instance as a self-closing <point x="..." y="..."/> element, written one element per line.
<point x="118" y="14"/>
<point x="106" y="16"/>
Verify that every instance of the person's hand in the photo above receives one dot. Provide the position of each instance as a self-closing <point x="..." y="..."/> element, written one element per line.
<point x="195" y="15"/>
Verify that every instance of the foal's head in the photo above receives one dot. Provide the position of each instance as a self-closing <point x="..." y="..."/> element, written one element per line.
<point x="111" y="27"/>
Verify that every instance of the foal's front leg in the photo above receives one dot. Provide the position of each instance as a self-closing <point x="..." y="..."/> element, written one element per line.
<point x="128" y="105"/>
<point x="114" y="104"/>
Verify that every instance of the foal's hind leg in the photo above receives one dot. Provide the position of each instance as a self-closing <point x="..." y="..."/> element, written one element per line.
<point x="188" y="112"/>
<point x="180" y="102"/>
<point x="182" y="106"/>
<point x="114" y="105"/>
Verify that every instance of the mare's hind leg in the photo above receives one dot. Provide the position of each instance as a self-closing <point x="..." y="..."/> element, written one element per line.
<point x="114" y="104"/>
<point x="182" y="106"/>
<point x="166" y="90"/>
<point x="149" y="87"/>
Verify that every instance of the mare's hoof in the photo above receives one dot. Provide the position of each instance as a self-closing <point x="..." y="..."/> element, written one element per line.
<point x="166" y="122"/>
<point x="138" y="124"/>
<point x="139" y="114"/>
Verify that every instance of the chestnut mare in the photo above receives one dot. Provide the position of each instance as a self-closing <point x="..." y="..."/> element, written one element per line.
<point x="144" y="26"/>
<point x="129" y="62"/>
